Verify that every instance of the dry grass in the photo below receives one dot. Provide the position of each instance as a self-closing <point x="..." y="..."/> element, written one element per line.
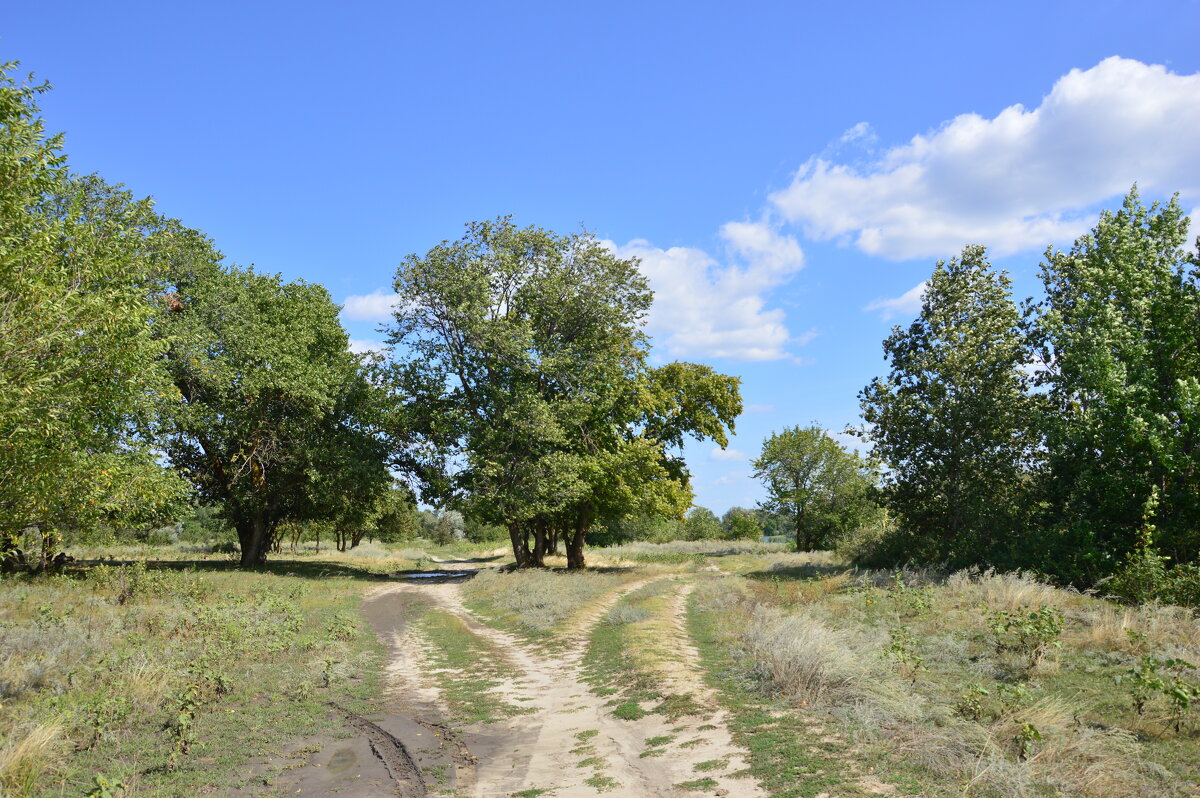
<point x="537" y="600"/>
<point x="802" y="658"/>
<point x="1009" y="591"/>
<point x="26" y="756"/>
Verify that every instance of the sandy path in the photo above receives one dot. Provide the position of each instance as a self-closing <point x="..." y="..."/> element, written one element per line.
<point x="542" y="750"/>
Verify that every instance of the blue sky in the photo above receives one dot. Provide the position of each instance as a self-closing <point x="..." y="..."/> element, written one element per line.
<point x="788" y="173"/>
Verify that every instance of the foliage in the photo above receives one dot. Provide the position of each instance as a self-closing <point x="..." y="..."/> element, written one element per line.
<point x="701" y="523"/>
<point x="1117" y="332"/>
<point x="822" y="485"/>
<point x="951" y="421"/>
<point x="79" y="382"/>
<point x="741" y="524"/>
<point x="276" y="420"/>
<point x="520" y="366"/>
<point x="1028" y="633"/>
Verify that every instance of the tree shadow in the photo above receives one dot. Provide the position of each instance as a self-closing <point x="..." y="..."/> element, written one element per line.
<point x="799" y="572"/>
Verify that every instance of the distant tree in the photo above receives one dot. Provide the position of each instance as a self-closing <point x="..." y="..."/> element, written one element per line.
<point x="397" y="519"/>
<point x="277" y="420"/>
<point x="702" y="524"/>
<point x="521" y="369"/>
<point x="820" y="484"/>
<point x="741" y="524"/>
<point x="79" y="377"/>
<point x="952" y="421"/>
<point x="1119" y="332"/>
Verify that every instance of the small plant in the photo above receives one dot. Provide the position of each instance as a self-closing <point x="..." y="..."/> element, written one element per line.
<point x="1028" y="633"/>
<point x="970" y="703"/>
<point x="1137" y="641"/>
<point x="1158" y="677"/>
<point x="182" y="727"/>
<point x="903" y="650"/>
<point x="1025" y="737"/>
<point x="342" y="627"/>
<point x="916" y="600"/>
<point x="1011" y="696"/>
<point x="102" y="787"/>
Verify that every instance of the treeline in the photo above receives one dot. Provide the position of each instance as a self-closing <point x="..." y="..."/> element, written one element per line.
<point x="1061" y="434"/>
<point x="141" y="374"/>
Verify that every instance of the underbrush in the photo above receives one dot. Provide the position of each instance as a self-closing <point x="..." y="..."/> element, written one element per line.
<point x="972" y="683"/>
<point x="170" y="680"/>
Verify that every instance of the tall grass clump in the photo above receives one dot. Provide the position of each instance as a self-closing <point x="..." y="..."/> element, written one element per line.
<point x="808" y="661"/>
<point x="536" y="600"/>
<point x="25" y="756"/>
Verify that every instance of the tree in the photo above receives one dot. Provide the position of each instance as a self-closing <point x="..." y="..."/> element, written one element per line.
<point x="822" y="485"/>
<point x="741" y="524"/>
<point x="702" y="524"/>
<point x="79" y="378"/>
<point x="521" y="370"/>
<point x="1119" y="332"/>
<point x="952" y="421"/>
<point x="277" y="419"/>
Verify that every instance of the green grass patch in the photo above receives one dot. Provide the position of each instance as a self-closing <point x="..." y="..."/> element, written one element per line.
<point x="602" y="783"/>
<point x="698" y="785"/>
<point x="469" y="669"/>
<point x="711" y="764"/>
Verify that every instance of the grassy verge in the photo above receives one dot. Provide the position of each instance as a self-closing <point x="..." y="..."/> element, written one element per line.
<point x="788" y="754"/>
<point x="172" y="679"/>
<point x="965" y="684"/>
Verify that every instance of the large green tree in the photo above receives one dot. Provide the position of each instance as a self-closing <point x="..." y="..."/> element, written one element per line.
<point x="952" y="421"/>
<point x="79" y="373"/>
<point x="277" y="420"/>
<point x="823" y="487"/>
<point x="1119" y="330"/>
<point x="520" y="363"/>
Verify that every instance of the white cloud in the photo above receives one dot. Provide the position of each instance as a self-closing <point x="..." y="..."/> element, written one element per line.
<point x="1020" y="180"/>
<point x="906" y="304"/>
<point x="726" y="454"/>
<point x="731" y="478"/>
<point x="375" y="306"/>
<point x="758" y="408"/>
<point x="360" y="346"/>
<point x="704" y="308"/>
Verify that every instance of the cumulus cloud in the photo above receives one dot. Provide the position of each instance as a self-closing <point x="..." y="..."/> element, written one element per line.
<point x="906" y="304"/>
<point x="375" y="306"/>
<point x="707" y="308"/>
<point x="1019" y="180"/>
<point x="726" y="454"/>
<point x="360" y="346"/>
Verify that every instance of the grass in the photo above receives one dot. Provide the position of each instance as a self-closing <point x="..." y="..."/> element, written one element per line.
<point x="172" y="677"/>
<point x="623" y="653"/>
<point x="536" y="603"/>
<point x="948" y="706"/>
<point x="467" y="669"/>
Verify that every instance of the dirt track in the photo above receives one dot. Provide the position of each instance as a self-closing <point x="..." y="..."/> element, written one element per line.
<point x="409" y="750"/>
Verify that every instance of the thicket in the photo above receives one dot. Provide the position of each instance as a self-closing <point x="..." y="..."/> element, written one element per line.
<point x="1061" y="436"/>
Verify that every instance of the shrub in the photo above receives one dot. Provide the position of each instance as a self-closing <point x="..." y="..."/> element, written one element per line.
<point x="1028" y="633"/>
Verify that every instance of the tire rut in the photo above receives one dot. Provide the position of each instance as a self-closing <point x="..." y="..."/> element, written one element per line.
<point x="392" y="753"/>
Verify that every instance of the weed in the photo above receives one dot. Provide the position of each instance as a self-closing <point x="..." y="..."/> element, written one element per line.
<point x="1024" y="739"/>
<point x="711" y="764"/>
<point x="970" y="703"/>
<point x="1153" y="677"/>
<point x="102" y="787"/>
<point x="903" y="650"/>
<point x="602" y="783"/>
<point x="1031" y="634"/>
<point x="698" y="785"/>
<point x="629" y="710"/>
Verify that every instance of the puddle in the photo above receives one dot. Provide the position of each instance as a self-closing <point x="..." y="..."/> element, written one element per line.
<point x="435" y="575"/>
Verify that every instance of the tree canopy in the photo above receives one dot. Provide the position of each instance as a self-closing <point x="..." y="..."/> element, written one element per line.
<point x="521" y="363"/>
<point x="823" y="486"/>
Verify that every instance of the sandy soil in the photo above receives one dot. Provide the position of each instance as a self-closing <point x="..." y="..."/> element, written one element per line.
<point x="409" y="750"/>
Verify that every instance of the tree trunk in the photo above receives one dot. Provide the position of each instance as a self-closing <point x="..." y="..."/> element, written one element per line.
<point x="552" y="542"/>
<point x="538" y="558"/>
<point x="254" y="538"/>
<point x="575" y="561"/>
<point x="519" y="543"/>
